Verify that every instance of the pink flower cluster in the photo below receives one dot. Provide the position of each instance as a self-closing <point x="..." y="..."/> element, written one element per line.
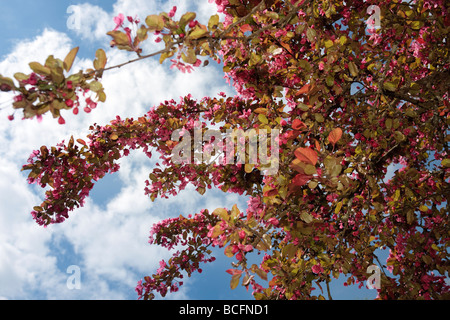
<point x="181" y="231"/>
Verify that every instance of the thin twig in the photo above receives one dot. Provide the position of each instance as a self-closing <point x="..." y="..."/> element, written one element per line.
<point x="328" y="288"/>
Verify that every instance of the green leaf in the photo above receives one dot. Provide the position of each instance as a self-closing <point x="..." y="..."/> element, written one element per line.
<point x="302" y="106"/>
<point x="235" y="212"/>
<point x="197" y="32"/>
<point x="120" y="39"/>
<point x="201" y="190"/>
<point x="40" y="69"/>
<point x="101" y="96"/>
<point x="229" y="251"/>
<point x="336" y="170"/>
<point x="249" y="167"/>
<point x="305" y="216"/>
<point x="397" y="195"/>
<point x="353" y="68"/>
<point x="319" y="117"/>
<point x="100" y="61"/>
<point x="56" y="69"/>
<point x="304" y="64"/>
<point x="190" y="57"/>
<point x="163" y="57"/>
<point x="310" y="169"/>
<point x="217" y="231"/>
<point x="411" y="113"/>
<point x="222" y="213"/>
<point x="155" y="22"/>
<point x="312" y="184"/>
<point x="213" y="22"/>
<point x="186" y="18"/>
<point x="446" y="163"/>
<point x="8" y="81"/>
<point x="328" y="43"/>
<point x="95" y="86"/>
<point x="427" y="259"/>
<point x="338" y="207"/>
<point x="265" y="244"/>
<point x="21" y="76"/>
<point x="53" y="63"/>
<point x="388" y="123"/>
<point x="68" y="60"/>
<point x="399" y="137"/>
<point x="311" y="34"/>
<point x="289" y="250"/>
<point x="235" y="280"/>
<point x="261" y="273"/>
<point x="262" y="118"/>
<point x="390" y="86"/>
<point x="416" y="25"/>
<point x="329" y="80"/>
<point x="254" y="59"/>
<point x="142" y="33"/>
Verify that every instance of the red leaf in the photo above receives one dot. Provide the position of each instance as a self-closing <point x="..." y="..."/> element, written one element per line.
<point x="270" y="193"/>
<point x="234" y="271"/>
<point x="335" y="135"/>
<point x="246" y="27"/>
<point x="317" y="144"/>
<point x="304" y="89"/>
<point x="306" y="155"/>
<point x="297" y="124"/>
<point x="292" y="134"/>
<point x="301" y="179"/>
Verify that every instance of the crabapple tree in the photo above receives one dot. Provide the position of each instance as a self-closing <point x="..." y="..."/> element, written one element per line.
<point x="350" y="101"/>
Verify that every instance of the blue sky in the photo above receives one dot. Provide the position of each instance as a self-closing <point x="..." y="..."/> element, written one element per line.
<point x="107" y="238"/>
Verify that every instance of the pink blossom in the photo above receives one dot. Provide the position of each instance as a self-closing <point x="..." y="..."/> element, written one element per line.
<point x="181" y="66"/>
<point x="69" y="103"/>
<point x="317" y="269"/>
<point x="376" y="38"/>
<point x="18" y="98"/>
<point x="61" y="120"/>
<point x="416" y="47"/>
<point x="162" y="265"/>
<point x="240" y="256"/>
<point x="128" y="32"/>
<point x="245" y="248"/>
<point x="119" y="21"/>
<point x="321" y="65"/>
<point x="193" y="23"/>
<point x="273" y="221"/>
<point x="135" y="20"/>
<point x="173" y="11"/>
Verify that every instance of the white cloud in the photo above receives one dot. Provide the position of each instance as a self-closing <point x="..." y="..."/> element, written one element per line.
<point x="109" y="242"/>
<point x="24" y="251"/>
<point x="37" y="49"/>
<point x="89" y="22"/>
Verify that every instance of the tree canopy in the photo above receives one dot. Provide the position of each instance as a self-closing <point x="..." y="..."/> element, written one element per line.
<point x="350" y="103"/>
